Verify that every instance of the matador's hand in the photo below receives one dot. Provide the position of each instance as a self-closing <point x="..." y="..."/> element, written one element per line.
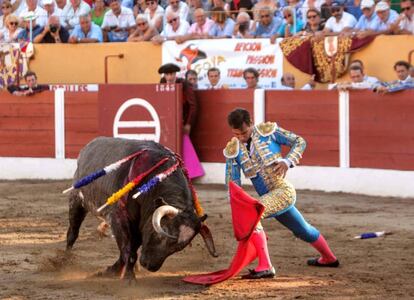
<point x="280" y="169"/>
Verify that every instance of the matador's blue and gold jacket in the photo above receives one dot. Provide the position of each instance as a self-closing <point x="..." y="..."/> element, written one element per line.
<point x="258" y="163"/>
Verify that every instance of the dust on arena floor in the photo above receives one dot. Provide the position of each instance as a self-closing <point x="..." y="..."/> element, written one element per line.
<point x="33" y="265"/>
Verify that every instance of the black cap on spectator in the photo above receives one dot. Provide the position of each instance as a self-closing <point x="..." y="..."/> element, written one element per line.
<point x="168" y="68"/>
<point x="337" y="3"/>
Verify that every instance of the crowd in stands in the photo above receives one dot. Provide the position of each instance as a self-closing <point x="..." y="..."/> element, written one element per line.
<point x="88" y="21"/>
<point x="358" y="79"/>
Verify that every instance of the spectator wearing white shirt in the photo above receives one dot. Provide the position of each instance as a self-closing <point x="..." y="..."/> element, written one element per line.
<point x="40" y="13"/>
<point x="52" y="10"/>
<point x="154" y="14"/>
<point x="73" y="11"/>
<point x="358" y="81"/>
<point x="175" y="29"/>
<point x="340" y="21"/>
<point x="62" y="4"/>
<point x="371" y="79"/>
<point x="288" y="82"/>
<point x="406" y="19"/>
<point x="213" y="76"/>
<point x="18" y="6"/>
<point x="178" y="7"/>
<point x="118" y="23"/>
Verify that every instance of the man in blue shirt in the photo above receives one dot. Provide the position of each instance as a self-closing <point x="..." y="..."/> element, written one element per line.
<point x="268" y="24"/>
<point x="369" y="19"/>
<point x="86" y="32"/>
<point x="24" y="35"/>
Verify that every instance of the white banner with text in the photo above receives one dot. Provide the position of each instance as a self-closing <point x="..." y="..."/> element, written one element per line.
<point x="231" y="57"/>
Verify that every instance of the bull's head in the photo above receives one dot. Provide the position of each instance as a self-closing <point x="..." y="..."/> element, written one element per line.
<point x="168" y="231"/>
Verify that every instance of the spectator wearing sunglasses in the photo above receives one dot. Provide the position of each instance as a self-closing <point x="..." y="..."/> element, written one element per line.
<point x="268" y="25"/>
<point x="175" y="28"/>
<point x="314" y="24"/>
<point x="6" y="9"/>
<point x="406" y="19"/>
<point x="340" y="21"/>
<point x="178" y="7"/>
<point x="144" y="31"/>
<point x="291" y="25"/>
<point x="154" y="14"/>
<point x="11" y="31"/>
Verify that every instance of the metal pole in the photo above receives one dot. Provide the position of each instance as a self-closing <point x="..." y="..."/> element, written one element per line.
<point x="121" y="55"/>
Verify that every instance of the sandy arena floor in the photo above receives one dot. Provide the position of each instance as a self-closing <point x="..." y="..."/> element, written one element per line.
<point x="33" y="265"/>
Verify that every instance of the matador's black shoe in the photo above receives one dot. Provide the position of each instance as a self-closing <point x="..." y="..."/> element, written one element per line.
<point x="315" y="262"/>
<point x="261" y="274"/>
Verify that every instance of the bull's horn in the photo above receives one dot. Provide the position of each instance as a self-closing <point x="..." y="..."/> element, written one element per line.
<point x="208" y="239"/>
<point x="158" y="214"/>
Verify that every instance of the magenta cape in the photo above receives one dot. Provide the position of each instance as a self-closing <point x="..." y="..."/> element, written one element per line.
<point x="191" y="161"/>
<point x="246" y="212"/>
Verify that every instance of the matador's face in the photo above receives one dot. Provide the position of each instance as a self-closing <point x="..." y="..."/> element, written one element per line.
<point x="243" y="134"/>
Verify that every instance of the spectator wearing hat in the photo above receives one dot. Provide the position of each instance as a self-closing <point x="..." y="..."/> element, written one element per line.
<point x="190" y="108"/>
<point x="144" y="31"/>
<point x="73" y="11"/>
<point x="386" y="18"/>
<point x="29" y="19"/>
<point x="52" y="33"/>
<point x="39" y="13"/>
<point x="406" y="19"/>
<point x="118" y="22"/>
<point x="52" y="10"/>
<point x="86" y="32"/>
<point x="340" y="21"/>
<point x="369" y="20"/>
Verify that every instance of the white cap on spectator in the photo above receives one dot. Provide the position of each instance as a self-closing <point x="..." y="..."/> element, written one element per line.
<point x="382" y="6"/>
<point x="367" y="4"/>
<point x="28" y="15"/>
<point x="46" y="2"/>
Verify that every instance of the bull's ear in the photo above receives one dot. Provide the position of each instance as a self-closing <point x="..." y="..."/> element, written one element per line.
<point x="203" y="218"/>
<point x="159" y="202"/>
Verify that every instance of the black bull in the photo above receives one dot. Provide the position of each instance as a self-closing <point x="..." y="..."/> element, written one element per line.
<point x="161" y="221"/>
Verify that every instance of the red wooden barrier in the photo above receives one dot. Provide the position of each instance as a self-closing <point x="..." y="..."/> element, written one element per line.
<point x="27" y="125"/>
<point x="314" y="116"/>
<point x="81" y="120"/>
<point x="211" y="133"/>
<point x="382" y="130"/>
